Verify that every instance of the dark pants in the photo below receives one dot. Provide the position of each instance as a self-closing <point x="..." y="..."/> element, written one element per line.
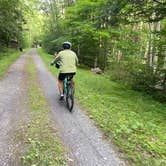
<point x="62" y="76"/>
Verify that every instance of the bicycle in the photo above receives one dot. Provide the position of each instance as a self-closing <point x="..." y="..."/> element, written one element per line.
<point x="68" y="91"/>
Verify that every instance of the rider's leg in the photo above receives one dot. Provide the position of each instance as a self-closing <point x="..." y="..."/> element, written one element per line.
<point x="60" y="86"/>
<point x="72" y="80"/>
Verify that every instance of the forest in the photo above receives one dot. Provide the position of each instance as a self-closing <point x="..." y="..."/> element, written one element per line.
<point x="125" y="39"/>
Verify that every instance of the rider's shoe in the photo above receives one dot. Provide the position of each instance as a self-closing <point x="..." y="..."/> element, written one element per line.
<point x="61" y="97"/>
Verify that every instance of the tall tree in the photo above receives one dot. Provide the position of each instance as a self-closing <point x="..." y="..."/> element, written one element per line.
<point x="11" y="20"/>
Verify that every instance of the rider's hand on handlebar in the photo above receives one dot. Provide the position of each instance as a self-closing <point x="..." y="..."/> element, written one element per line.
<point x="52" y="63"/>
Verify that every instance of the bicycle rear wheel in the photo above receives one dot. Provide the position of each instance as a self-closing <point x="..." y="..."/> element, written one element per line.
<point x="70" y="98"/>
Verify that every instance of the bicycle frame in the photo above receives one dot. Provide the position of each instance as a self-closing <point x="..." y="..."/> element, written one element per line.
<point x="68" y="91"/>
<point x="65" y="81"/>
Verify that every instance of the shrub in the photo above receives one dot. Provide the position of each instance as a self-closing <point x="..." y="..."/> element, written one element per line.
<point x="143" y="78"/>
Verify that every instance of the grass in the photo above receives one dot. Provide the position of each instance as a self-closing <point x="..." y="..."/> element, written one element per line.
<point x="135" y="122"/>
<point x="43" y="146"/>
<point x="7" y="57"/>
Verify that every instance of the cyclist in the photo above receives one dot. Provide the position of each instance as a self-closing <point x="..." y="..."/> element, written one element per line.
<point x="66" y="60"/>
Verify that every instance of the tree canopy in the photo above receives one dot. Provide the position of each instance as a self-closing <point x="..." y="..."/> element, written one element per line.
<point x="122" y="37"/>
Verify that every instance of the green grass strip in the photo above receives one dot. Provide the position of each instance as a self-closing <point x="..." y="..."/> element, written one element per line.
<point x="7" y="58"/>
<point x="134" y="121"/>
<point x="43" y="146"/>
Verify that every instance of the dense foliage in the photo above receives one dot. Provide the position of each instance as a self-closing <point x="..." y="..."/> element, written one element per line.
<point x="20" y="23"/>
<point x="124" y="38"/>
<point x="11" y="21"/>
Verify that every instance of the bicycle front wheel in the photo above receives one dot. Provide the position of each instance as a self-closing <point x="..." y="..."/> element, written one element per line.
<point x="70" y="98"/>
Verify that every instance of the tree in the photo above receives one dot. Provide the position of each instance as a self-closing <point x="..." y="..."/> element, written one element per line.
<point x="122" y="36"/>
<point x="11" y="21"/>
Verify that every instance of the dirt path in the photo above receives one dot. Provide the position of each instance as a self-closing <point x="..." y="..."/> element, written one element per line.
<point x="12" y="112"/>
<point x="83" y="140"/>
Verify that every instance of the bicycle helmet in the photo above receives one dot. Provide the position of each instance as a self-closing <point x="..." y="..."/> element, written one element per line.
<point x="66" y="45"/>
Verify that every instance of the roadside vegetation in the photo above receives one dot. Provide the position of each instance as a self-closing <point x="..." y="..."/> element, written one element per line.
<point x="7" y="57"/>
<point x="124" y="38"/>
<point x="134" y="121"/>
<point x="43" y="147"/>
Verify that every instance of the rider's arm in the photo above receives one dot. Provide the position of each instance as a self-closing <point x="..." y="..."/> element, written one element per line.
<point x="57" y="58"/>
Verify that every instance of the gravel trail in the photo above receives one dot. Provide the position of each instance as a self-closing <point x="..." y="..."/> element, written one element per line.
<point x="12" y="111"/>
<point x="83" y="140"/>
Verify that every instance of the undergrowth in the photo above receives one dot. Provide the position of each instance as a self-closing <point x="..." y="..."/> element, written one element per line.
<point x="7" y="57"/>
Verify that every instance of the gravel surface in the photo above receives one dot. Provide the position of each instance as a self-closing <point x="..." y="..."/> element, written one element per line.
<point x="12" y="112"/>
<point x="82" y="139"/>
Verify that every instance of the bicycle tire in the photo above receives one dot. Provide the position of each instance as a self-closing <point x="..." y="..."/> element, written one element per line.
<point x="70" y="98"/>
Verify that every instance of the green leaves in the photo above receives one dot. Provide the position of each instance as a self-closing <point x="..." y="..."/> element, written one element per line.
<point x="134" y="11"/>
<point x="11" y="20"/>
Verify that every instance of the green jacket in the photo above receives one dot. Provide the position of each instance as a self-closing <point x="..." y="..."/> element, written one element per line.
<point x="68" y="60"/>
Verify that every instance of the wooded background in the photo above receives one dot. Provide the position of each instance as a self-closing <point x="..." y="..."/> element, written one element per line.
<point x="126" y="39"/>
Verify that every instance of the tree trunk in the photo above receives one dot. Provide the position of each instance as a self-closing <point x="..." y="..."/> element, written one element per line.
<point x="158" y="29"/>
<point x="150" y="49"/>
